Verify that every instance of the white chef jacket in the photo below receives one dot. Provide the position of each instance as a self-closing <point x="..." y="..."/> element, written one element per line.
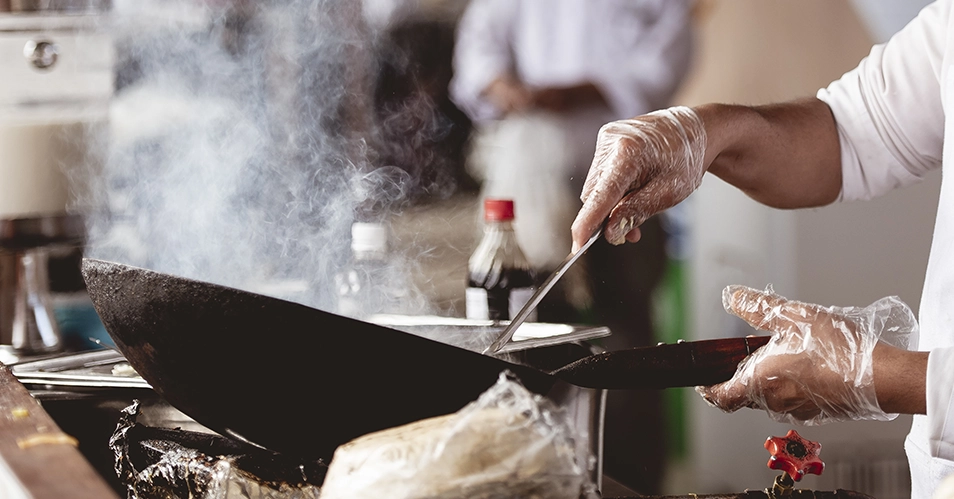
<point x="635" y="51"/>
<point x="894" y="125"/>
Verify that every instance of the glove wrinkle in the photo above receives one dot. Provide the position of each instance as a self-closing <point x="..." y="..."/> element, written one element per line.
<point x="818" y="366"/>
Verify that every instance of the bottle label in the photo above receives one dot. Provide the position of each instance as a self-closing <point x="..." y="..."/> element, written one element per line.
<point x="497" y="304"/>
<point x="476" y="304"/>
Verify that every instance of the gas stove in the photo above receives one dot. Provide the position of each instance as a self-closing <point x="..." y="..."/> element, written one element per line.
<point x="98" y="398"/>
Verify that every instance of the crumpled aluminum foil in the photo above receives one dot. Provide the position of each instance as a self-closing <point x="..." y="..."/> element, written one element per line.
<point x="168" y="469"/>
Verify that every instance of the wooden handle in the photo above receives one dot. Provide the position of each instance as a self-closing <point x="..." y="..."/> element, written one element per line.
<point x="688" y="363"/>
<point x="715" y="361"/>
<point x="706" y="362"/>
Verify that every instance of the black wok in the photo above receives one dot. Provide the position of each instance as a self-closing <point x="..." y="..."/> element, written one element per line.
<point x="303" y="381"/>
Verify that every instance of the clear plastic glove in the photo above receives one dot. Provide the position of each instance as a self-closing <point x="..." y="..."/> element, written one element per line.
<point x="817" y="368"/>
<point x="641" y="167"/>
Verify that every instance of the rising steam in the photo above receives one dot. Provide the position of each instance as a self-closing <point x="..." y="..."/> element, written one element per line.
<point x="245" y="141"/>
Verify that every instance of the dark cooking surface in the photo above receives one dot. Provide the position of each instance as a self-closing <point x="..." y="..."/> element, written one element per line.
<point x="288" y="377"/>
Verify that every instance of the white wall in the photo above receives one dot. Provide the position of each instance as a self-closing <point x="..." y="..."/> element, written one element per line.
<point x="884" y="18"/>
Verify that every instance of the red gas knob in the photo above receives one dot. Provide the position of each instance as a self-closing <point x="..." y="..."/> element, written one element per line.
<point x="794" y="455"/>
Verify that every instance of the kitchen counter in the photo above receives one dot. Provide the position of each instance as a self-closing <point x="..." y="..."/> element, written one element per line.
<point x="37" y="459"/>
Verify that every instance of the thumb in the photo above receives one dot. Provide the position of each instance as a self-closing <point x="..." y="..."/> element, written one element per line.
<point x="729" y="396"/>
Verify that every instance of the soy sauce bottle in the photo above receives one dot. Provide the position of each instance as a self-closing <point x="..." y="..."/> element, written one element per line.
<point x="500" y="280"/>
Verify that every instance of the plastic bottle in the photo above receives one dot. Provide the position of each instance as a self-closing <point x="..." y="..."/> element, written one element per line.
<point x="500" y="280"/>
<point x="363" y="287"/>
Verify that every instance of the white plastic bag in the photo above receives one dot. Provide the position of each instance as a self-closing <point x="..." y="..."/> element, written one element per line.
<point x="509" y="443"/>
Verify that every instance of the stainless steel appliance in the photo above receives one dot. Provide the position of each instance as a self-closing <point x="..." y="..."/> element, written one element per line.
<point x="58" y="78"/>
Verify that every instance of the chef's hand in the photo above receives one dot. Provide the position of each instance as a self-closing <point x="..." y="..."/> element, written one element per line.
<point x="642" y="166"/>
<point x="819" y="365"/>
<point x="509" y="95"/>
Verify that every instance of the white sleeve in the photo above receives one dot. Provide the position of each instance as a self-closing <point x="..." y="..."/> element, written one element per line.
<point x="888" y="109"/>
<point x="643" y="73"/>
<point x="940" y="402"/>
<point x="482" y="52"/>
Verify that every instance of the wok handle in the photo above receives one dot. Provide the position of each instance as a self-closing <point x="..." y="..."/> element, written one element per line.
<point x="717" y="360"/>
<point x="688" y="363"/>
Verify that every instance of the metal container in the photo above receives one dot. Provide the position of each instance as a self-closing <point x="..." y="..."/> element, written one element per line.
<point x="585" y="407"/>
<point x="23" y="6"/>
<point x="27" y="324"/>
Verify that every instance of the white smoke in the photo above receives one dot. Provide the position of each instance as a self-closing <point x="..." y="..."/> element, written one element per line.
<point x="244" y="142"/>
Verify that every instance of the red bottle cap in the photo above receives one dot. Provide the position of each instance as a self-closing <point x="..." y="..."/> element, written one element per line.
<point x="498" y="210"/>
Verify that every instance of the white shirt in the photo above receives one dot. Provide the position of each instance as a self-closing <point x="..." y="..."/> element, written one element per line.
<point x="635" y="51"/>
<point x="894" y="125"/>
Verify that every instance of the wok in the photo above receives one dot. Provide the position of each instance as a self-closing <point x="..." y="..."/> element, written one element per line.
<point x="303" y="381"/>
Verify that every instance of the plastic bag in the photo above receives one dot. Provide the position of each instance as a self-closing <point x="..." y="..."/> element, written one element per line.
<point x="508" y="443"/>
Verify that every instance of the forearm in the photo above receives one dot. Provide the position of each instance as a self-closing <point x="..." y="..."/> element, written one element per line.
<point x="900" y="379"/>
<point x="782" y="155"/>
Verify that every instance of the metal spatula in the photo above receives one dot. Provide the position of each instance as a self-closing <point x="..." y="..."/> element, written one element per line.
<point x="538" y="296"/>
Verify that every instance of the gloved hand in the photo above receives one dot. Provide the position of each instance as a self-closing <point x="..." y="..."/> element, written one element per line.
<point x="641" y="167"/>
<point x="817" y="368"/>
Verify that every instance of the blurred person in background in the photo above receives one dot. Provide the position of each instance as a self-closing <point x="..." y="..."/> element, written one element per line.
<point x="538" y="78"/>
<point x="421" y="130"/>
<point x="881" y="126"/>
